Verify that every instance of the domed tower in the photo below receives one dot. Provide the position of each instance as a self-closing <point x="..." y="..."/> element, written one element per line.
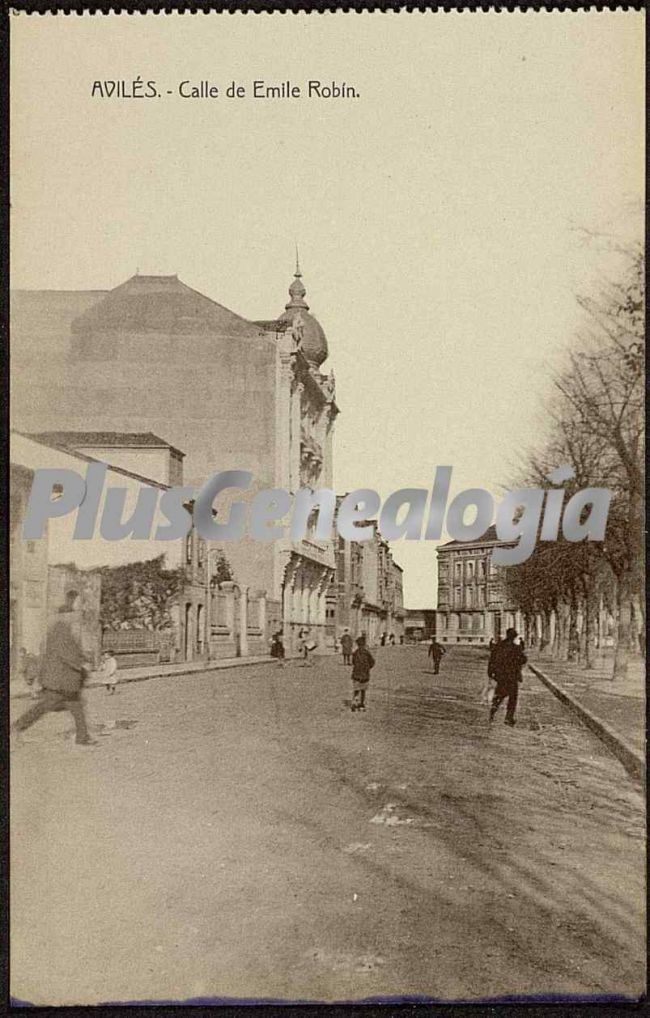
<point x="314" y="341"/>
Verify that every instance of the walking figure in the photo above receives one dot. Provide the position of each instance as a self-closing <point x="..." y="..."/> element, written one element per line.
<point x="346" y="647"/>
<point x="109" y="671"/>
<point x="63" y="674"/>
<point x="277" y="647"/>
<point x="507" y="661"/>
<point x="436" y="650"/>
<point x="305" y="646"/>
<point x="362" y="662"/>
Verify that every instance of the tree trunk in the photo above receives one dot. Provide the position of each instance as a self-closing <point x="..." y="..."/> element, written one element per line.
<point x="546" y="632"/>
<point x="557" y="636"/>
<point x="591" y="626"/>
<point x="622" y="629"/>
<point x="638" y="627"/>
<point x="563" y="617"/>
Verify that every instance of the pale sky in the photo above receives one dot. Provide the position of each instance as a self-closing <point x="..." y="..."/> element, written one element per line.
<point x="435" y="214"/>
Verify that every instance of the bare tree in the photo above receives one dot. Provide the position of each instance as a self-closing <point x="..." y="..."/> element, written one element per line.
<point x="597" y="426"/>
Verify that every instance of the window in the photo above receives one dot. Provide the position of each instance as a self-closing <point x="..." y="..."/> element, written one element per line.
<point x="201" y="550"/>
<point x="470" y="570"/>
<point x="189" y="547"/>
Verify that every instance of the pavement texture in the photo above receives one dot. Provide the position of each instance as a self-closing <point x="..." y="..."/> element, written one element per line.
<point x="620" y="703"/>
<point x="242" y="834"/>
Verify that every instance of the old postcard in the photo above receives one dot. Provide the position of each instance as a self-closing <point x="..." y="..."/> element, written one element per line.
<point x="326" y="608"/>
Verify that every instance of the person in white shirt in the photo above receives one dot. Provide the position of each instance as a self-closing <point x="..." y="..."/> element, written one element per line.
<point x="109" y="671"/>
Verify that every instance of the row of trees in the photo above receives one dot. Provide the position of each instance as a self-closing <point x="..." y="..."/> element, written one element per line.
<point x="597" y="427"/>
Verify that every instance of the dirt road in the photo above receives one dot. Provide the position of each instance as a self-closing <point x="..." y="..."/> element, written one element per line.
<point x="242" y="834"/>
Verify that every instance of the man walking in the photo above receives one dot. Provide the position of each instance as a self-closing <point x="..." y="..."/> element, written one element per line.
<point x="506" y="663"/>
<point x="362" y="662"/>
<point x="63" y="674"/>
<point x="346" y="647"/>
<point x="436" y="650"/>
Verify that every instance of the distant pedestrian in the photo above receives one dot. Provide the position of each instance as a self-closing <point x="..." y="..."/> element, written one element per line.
<point x="362" y="662"/>
<point x="346" y="647"/>
<point x="108" y="671"/>
<point x="401" y="640"/>
<point x="391" y="639"/>
<point x="306" y="645"/>
<point x="436" y="651"/>
<point x="507" y="661"/>
<point x="63" y="674"/>
<point x="382" y="641"/>
<point x="277" y="647"/>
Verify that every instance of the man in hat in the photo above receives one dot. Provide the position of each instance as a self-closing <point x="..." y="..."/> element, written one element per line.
<point x="63" y="674"/>
<point x="436" y="650"/>
<point x="346" y="647"/>
<point x="506" y="662"/>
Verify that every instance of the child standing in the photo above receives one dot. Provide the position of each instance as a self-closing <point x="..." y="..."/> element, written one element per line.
<point x="109" y="671"/>
<point x="362" y="662"/>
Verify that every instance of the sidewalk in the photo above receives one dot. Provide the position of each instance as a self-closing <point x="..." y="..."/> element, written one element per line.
<point x="619" y="705"/>
<point x="158" y="671"/>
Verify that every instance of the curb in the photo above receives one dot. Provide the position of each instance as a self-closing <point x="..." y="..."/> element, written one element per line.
<point x="632" y="760"/>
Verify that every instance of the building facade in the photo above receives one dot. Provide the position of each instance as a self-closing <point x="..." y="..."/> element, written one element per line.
<point x="419" y="624"/>
<point x="46" y="571"/>
<point x="473" y="605"/>
<point x="369" y="589"/>
<point x="155" y="357"/>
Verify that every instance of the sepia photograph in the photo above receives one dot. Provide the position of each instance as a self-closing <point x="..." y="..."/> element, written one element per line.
<point x="326" y="598"/>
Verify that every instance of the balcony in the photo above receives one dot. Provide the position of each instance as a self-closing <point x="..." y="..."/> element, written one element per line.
<point x="320" y="552"/>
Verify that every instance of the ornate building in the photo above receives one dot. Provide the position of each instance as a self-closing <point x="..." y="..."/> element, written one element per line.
<point x="369" y="589"/>
<point x="304" y="423"/>
<point x="472" y="604"/>
<point x="155" y="356"/>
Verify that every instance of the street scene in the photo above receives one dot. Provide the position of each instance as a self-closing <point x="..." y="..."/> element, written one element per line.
<point x="326" y="605"/>
<point x="275" y="845"/>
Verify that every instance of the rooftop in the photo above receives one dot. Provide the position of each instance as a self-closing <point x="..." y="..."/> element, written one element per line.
<point x="161" y="304"/>
<point x="116" y="439"/>
<point x="489" y="537"/>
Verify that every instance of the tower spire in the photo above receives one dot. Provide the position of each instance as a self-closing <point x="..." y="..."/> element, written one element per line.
<point x="297" y="289"/>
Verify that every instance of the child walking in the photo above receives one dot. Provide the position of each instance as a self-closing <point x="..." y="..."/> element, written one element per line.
<point x="109" y="671"/>
<point x="362" y="662"/>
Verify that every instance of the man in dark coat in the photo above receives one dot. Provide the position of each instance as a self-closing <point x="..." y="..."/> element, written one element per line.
<point x="506" y="661"/>
<point x="436" y="650"/>
<point x="362" y="662"/>
<point x="346" y="647"/>
<point x="63" y="674"/>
